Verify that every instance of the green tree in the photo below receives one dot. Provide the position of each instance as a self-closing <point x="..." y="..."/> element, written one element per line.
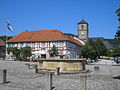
<point x="70" y="34"/>
<point x="101" y="48"/>
<point x="117" y="36"/>
<point x="20" y="54"/>
<point x="53" y="51"/>
<point x="117" y="50"/>
<point x="15" y="52"/>
<point x="25" y="53"/>
<point x="4" y="37"/>
<point x="88" y="51"/>
<point x="93" y="44"/>
<point x="112" y="53"/>
<point x="115" y="53"/>
<point x="118" y="13"/>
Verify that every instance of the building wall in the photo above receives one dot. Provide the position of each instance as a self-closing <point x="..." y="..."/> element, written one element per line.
<point x="2" y="51"/>
<point x="64" y="47"/>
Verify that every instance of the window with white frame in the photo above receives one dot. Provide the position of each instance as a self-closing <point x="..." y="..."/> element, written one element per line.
<point x="43" y="45"/>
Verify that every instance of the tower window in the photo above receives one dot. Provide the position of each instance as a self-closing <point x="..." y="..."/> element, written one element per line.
<point x="82" y="26"/>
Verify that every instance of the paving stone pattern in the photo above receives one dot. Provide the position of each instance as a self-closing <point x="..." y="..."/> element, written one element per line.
<point x="19" y="77"/>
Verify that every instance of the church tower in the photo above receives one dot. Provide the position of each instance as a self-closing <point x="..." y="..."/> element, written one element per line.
<point x="83" y="31"/>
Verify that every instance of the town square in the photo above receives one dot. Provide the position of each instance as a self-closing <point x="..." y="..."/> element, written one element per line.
<point x="59" y="45"/>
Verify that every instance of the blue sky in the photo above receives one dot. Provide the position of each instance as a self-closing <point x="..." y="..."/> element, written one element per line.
<point x="60" y="14"/>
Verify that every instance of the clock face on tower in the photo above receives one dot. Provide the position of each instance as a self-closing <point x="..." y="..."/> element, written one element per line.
<point x="82" y="33"/>
<point x="83" y="30"/>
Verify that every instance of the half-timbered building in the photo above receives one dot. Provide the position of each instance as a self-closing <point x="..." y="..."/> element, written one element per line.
<point x="43" y="40"/>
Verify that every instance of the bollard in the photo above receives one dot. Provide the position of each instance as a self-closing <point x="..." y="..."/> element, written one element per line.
<point x="96" y="68"/>
<point x="27" y="64"/>
<point x="57" y="71"/>
<point x="83" y="82"/>
<point x="3" y="73"/>
<point x="36" y="69"/>
<point x="50" y="81"/>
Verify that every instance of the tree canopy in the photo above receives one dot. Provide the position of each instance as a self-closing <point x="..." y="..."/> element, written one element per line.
<point x="88" y="51"/>
<point x="93" y="49"/>
<point x="70" y="34"/>
<point x="117" y="50"/>
<point x="15" y="52"/>
<point x="4" y="37"/>
<point x="100" y="48"/>
<point x="53" y="51"/>
<point x="25" y="52"/>
<point x="20" y="54"/>
<point x="117" y="35"/>
<point x="118" y="13"/>
<point x="115" y="53"/>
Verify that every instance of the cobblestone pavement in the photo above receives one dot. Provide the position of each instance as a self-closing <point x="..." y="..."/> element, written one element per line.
<point x="19" y="77"/>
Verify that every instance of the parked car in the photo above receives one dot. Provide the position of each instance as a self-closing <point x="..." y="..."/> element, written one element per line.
<point x="117" y="60"/>
<point x="90" y="61"/>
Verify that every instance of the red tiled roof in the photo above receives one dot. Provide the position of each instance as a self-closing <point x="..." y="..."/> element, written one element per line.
<point x="2" y="43"/>
<point x="42" y="35"/>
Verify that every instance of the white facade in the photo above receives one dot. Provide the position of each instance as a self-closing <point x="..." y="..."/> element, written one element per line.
<point x="66" y="48"/>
